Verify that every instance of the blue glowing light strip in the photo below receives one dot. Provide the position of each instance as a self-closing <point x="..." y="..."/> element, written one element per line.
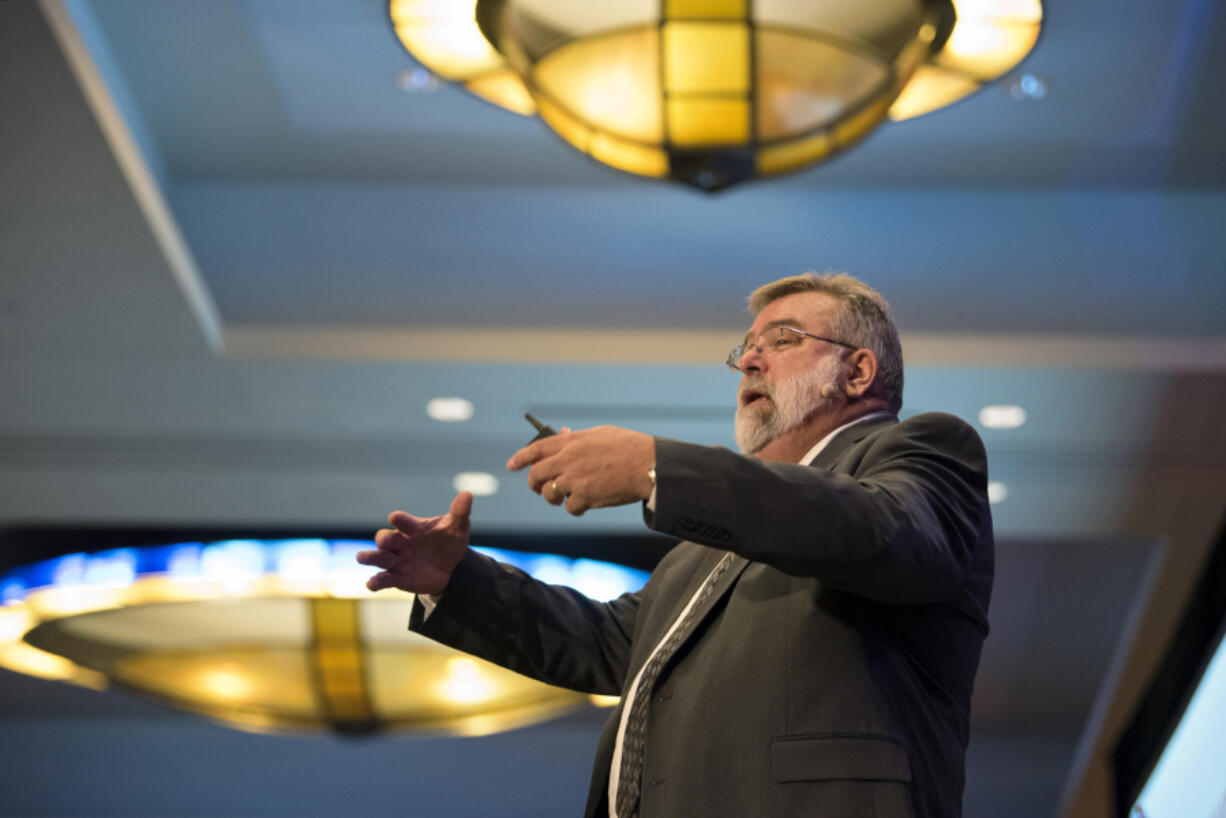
<point x="305" y="559"/>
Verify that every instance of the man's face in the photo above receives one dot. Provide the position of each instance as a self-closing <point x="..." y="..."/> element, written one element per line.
<point x="780" y="391"/>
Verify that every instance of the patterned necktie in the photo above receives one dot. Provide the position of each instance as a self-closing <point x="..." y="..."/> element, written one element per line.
<point x="629" y="779"/>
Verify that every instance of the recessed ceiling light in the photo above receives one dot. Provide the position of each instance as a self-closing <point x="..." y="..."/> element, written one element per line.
<point x="449" y="410"/>
<point x="1002" y="416"/>
<point x="997" y="491"/>
<point x="1028" y="87"/>
<point x="479" y="483"/>
<point x="417" y="81"/>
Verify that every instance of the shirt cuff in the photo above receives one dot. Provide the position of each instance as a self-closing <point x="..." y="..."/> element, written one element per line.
<point x="428" y="603"/>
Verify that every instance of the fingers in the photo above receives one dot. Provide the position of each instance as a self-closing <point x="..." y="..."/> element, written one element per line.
<point x="390" y="539"/>
<point x="553" y="494"/>
<point x="379" y="581"/>
<point x="536" y="451"/>
<point x="462" y="508"/>
<point x="405" y="523"/>
<point x="379" y="559"/>
<point x="576" y="505"/>
<point x="541" y="478"/>
<point x="556" y="495"/>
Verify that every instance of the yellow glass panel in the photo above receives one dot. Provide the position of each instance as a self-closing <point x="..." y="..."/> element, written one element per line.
<point x="859" y="124"/>
<point x="505" y="89"/>
<point x="564" y="125"/>
<point x="14" y="622"/>
<point x="22" y="658"/>
<point x="909" y="59"/>
<point x="706" y="57"/>
<point x="805" y="84"/>
<point x="418" y="690"/>
<point x="66" y="600"/>
<point x="675" y="9"/>
<point x="1029" y="11"/>
<point x="334" y="619"/>
<point x="794" y="155"/>
<point x="694" y="122"/>
<point x="610" y="83"/>
<point x="443" y="35"/>
<point x="987" y="49"/>
<point x="630" y="157"/>
<point x="346" y="710"/>
<point x="333" y="659"/>
<point x="253" y="678"/>
<point x="931" y="88"/>
<point x="340" y="687"/>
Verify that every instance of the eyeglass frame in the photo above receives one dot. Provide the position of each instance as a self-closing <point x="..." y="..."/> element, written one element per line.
<point x="738" y="352"/>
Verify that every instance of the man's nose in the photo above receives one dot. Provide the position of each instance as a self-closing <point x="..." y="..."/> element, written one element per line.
<point x="752" y="360"/>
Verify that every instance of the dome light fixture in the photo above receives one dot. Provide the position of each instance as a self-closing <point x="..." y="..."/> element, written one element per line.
<point x="272" y="636"/>
<point x="710" y="93"/>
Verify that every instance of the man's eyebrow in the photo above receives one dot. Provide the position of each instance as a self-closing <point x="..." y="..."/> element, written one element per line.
<point x="779" y="322"/>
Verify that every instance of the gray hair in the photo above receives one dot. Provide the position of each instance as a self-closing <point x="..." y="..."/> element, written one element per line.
<point x="863" y="320"/>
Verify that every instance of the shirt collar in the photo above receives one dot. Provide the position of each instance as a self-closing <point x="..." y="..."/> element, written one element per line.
<point x="812" y="454"/>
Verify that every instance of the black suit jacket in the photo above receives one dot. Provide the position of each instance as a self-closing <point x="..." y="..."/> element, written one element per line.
<point x="830" y="673"/>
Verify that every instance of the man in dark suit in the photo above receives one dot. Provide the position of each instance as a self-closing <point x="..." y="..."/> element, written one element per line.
<point x="811" y="648"/>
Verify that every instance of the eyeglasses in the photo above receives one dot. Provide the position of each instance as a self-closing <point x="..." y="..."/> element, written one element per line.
<point x="777" y="340"/>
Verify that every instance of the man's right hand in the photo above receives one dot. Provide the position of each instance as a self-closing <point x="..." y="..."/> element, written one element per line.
<point x="418" y="554"/>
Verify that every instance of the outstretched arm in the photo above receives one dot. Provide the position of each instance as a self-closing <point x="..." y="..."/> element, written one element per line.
<point x="549" y="632"/>
<point x="497" y="612"/>
<point x="910" y="524"/>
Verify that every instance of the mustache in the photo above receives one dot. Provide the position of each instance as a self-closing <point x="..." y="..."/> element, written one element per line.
<point x="755" y="385"/>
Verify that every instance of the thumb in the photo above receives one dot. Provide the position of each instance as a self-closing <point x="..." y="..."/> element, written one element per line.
<point x="462" y="507"/>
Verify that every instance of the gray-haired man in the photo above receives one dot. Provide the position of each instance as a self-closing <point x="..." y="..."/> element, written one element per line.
<point x="810" y="649"/>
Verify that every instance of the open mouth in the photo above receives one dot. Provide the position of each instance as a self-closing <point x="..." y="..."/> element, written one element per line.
<point x="751" y="397"/>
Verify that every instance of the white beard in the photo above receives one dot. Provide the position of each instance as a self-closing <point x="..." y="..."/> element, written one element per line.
<point x="790" y="404"/>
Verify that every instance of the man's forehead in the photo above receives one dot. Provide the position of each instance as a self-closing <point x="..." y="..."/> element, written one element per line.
<point x="801" y="310"/>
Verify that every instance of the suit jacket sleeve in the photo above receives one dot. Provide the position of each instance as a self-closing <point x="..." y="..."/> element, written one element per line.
<point x="548" y="632"/>
<point x="899" y="522"/>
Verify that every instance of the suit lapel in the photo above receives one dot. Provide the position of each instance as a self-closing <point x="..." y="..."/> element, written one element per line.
<point x="825" y="459"/>
<point x="847" y="438"/>
<point x="736" y="564"/>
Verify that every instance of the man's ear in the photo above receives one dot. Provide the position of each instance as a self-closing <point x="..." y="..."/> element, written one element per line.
<point x="863" y="373"/>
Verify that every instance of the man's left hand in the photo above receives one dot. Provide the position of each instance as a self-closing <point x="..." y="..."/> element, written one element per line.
<point x="590" y="468"/>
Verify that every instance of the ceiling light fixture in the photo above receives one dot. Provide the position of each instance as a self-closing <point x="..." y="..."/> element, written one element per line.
<point x="480" y="483"/>
<point x="710" y="93"/>
<point x="1002" y="416"/>
<point x="997" y="492"/>
<point x="449" y="410"/>
<point x="271" y="636"/>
